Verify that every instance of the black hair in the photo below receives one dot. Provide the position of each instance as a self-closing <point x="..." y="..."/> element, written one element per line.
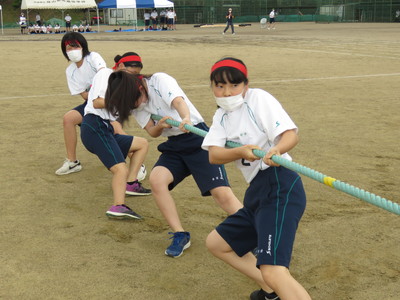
<point x="230" y="74"/>
<point x="129" y="63"/>
<point x="74" y="39"/>
<point x="123" y="92"/>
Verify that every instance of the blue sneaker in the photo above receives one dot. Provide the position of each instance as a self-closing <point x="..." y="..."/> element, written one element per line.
<point x="180" y="242"/>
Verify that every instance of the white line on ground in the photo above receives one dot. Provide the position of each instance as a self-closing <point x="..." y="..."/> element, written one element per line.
<point x="252" y="82"/>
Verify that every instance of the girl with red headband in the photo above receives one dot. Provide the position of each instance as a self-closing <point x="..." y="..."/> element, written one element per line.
<point x="84" y="65"/>
<point x="99" y="137"/>
<point x="181" y="155"/>
<point x="274" y="201"/>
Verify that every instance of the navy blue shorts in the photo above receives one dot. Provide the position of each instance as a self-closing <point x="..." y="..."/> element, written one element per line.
<point x="81" y="108"/>
<point x="182" y="155"/>
<point x="273" y="206"/>
<point x="98" y="137"/>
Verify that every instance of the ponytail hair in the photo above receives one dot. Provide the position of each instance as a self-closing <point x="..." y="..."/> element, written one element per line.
<point x="123" y="92"/>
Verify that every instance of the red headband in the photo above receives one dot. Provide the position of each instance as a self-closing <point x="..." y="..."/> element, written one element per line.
<point x="230" y="63"/>
<point x="72" y="42"/>
<point x="126" y="59"/>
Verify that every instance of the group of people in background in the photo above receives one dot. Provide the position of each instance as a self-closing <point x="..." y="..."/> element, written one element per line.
<point x="166" y="20"/>
<point x="43" y="29"/>
<point x="40" y="27"/>
<point x="257" y="236"/>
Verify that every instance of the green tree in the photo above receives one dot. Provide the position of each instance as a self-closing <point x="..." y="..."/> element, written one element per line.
<point x="16" y="4"/>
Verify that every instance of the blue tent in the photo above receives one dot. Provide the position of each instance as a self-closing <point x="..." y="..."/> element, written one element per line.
<point x="135" y="4"/>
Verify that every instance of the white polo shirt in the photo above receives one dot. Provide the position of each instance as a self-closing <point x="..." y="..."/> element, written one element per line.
<point x="259" y="121"/>
<point x="98" y="89"/>
<point x="80" y="79"/>
<point x="162" y="89"/>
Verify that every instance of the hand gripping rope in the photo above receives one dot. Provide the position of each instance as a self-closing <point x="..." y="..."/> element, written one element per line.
<point x="329" y="181"/>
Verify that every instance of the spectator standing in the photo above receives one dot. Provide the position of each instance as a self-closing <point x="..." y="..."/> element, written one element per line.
<point x="154" y="19"/>
<point x="22" y="23"/>
<point x="170" y="19"/>
<point x="68" y="22"/>
<point x="38" y="19"/>
<point x="163" y="19"/>
<point x="146" y="17"/>
<point x="272" y="15"/>
<point x="229" y="21"/>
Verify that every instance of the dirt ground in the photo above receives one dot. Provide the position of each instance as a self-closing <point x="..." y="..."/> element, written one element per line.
<point x="339" y="83"/>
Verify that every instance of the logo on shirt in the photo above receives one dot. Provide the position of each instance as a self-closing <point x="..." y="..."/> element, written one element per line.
<point x="277" y="123"/>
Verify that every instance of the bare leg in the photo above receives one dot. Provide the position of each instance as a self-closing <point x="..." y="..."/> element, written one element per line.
<point x="225" y="198"/>
<point x="120" y="175"/>
<point x="139" y="149"/>
<point x="70" y="120"/>
<point x="160" y="178"/>
<point x="280" y="279"/>
<point x="245" y="264"/>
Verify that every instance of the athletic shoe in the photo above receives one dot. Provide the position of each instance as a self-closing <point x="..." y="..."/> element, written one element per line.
<point x="136" y="189"/>
<point x="223" y="33"/>
<point x="180" y="242"/>
<point x="69" y="167"/>
<point x="142" y="173"/>
<point x="122" y="212"/>
<point x="263" y="295"/>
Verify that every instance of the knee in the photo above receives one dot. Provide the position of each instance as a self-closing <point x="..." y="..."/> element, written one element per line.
<point x="211" y="242"/>
<point x="72" y="118"/>
<point x="272" y="275"/>
<point x="120" y="169"/>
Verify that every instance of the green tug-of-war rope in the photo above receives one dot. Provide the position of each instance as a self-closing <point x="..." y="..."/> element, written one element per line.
<point x="329" y="181"/>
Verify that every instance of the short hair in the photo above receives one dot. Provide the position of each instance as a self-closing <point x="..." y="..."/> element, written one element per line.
<point x="74" y="39"/>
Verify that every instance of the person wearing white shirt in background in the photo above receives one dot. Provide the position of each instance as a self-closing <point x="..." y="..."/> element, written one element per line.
<point x="272" y="15"/>
<point x="57" y="28"/>
<point x="37" y="28"/>
<point x="154" y="19"/>
<point x="146" y="17"/>
<point x="68" y="22"/>
<point x="38" y="19"/>
<point x="43" y="29"/>
<point x="170" y="19"/>
<point x="22" y="23"/>
<point x="49" y="28"/>
<point x="163" y="19"/>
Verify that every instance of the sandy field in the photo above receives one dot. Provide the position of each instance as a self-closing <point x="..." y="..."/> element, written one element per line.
<point x="338" y="82"/>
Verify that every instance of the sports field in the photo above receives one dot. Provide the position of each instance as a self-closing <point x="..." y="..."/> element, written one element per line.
<point x="338" y="82"/>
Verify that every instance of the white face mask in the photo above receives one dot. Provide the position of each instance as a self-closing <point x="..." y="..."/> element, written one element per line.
<point x="75" y="55"/>
<point x="230" y="103"/>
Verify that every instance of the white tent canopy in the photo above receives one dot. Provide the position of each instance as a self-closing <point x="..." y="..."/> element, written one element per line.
<point x="58" y="4"/>
<point x="61" y="5"/>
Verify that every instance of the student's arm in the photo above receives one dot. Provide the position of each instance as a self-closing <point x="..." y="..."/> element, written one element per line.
<point x="183" y="110"/>
<point x="118" y="128"/>
<point x="155" y="130"/>
<point x="220" y="155"/>
<point x="99" y="103"/>
<point x="288" y="140"/>
<point x="84" y="95"/>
